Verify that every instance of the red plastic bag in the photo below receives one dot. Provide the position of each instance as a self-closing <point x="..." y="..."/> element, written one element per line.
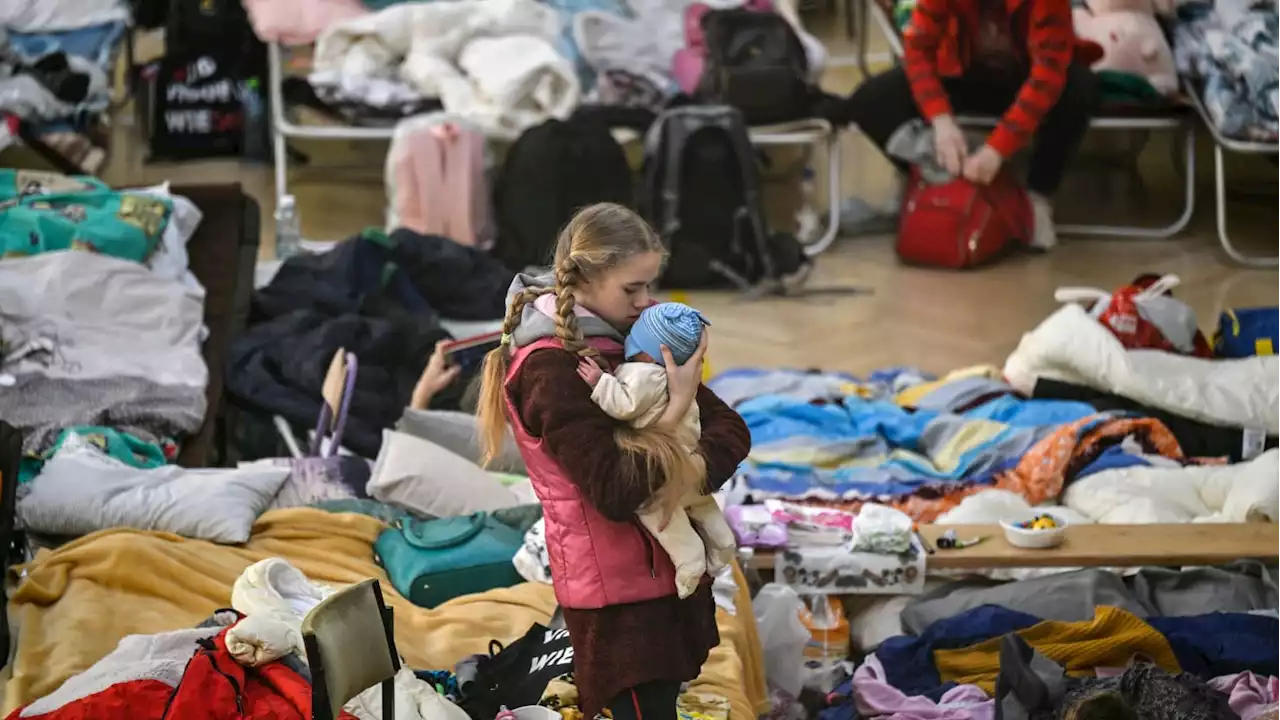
<point x="1144" y="315"/>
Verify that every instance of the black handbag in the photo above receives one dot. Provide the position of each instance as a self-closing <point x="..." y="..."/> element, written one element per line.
<point x="516" y="674"/>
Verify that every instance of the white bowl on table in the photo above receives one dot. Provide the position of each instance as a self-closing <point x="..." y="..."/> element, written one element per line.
<point x="1031" y="539"/>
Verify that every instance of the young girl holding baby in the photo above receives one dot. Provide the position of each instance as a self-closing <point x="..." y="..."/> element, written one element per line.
<point x="635" y="641"/>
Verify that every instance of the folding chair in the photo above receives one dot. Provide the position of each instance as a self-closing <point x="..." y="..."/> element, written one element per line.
<point x="817" y="133"/>
<point x="339" y="385"/>
<point x="350" y="643"/>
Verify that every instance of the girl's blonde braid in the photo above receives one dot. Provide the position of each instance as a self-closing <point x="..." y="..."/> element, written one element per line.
<point x="516" y="311"/>
<point x="569" y="276"/>
<point x="491" y="415"/>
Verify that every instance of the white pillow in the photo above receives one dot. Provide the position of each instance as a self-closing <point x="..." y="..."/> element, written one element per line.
<point x="457" y="432"/>
<point x="426" y="479"/>
<point x="80" y="491"/>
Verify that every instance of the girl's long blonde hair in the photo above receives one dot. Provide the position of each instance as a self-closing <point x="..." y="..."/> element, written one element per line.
<point x="598" y="239"/>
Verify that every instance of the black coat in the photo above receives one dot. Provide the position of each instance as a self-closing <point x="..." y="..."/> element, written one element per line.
<point x="376" y="299"/>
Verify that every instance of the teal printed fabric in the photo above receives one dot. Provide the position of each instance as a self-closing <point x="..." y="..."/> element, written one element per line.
<point x="46" y="212"/>
<point x="128" y="449"/>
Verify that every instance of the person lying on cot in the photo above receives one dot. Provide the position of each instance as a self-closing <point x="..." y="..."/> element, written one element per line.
<point x="453" y="430"/>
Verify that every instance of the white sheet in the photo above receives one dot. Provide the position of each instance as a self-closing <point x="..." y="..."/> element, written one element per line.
<point x="95" y="340"/>
<point x="1073" y="347"/>
<point x="107" y="318"/>
<point x="450" y="49"/>
<point x="1245" y="492"/>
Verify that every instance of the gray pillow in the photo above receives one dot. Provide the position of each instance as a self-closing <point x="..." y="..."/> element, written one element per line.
<point x="427" y="479"/>
<point x="457" y="432"/>
<point x="80" y="491"/>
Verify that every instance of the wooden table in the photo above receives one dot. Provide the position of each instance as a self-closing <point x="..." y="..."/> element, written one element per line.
<point x="1100" y="546"/>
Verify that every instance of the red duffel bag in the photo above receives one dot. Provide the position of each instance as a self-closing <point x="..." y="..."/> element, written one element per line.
<point x="959" y="224"/>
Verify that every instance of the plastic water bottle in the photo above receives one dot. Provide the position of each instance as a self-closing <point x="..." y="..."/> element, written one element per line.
<point x="253" y="144"/>
<point x="807" y="216"/>
<point x="288" y="229"/>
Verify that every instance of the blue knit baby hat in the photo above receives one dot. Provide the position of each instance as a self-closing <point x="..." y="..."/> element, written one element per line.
<point x="673" y="324"/>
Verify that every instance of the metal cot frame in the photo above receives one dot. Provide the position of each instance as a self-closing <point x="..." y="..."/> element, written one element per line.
<point x="1183" y="124"/>
<point x="283" y="129"/>
<point x="818" y="133"/>
<point x="807" y="132"/>
<point x="1221" y="144"/>
<point x="821" y="134"/>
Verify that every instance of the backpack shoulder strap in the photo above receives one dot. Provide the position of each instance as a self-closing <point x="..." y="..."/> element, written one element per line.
<point x="731" y="120"/>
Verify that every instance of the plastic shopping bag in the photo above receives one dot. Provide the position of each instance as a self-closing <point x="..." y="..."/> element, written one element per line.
<point x="782" y="636"/>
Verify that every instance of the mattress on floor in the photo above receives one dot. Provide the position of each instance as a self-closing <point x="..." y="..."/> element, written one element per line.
<point x="77" y="602"/>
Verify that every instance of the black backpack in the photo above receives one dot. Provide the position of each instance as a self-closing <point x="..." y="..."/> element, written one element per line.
<point x="207" y="25"/>
<point x="552" y="171"/>
<point x="702" y="195"/>
<point x="756" y="63"/>
<point x="196" y="106"/>
<point x="206" y="96"/>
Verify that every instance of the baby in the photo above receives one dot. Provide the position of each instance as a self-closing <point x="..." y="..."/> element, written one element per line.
<point x="692" y="530"/>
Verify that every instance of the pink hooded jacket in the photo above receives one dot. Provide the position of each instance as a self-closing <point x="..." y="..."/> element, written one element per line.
<point x="595" y="562"/>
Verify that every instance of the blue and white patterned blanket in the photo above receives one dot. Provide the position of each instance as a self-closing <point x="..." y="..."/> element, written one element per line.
<point x="835" y="437"/>
<point x="1228" y="49"/>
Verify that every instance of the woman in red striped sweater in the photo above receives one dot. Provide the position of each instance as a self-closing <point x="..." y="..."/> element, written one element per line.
<point x="1018" y="59"/>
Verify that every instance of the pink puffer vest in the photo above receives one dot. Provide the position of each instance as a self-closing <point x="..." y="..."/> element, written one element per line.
<point x="594" y="562"/>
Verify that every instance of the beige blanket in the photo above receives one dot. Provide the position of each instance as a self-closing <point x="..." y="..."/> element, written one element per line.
<point x="77" y="602"/>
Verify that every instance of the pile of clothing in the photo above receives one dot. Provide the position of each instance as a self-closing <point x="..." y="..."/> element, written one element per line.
<point x="1081" y="415"/>
<point x="103" y="321"/>
<point x="250" y="657"/>
<point x="102" y="364"/>
<point x="502" y="67"/>
<point x="1160" y="644"/>
<point x="380" y="297"/>
<point x="1229" y="49"/>
<point x="52" y="86"/>
<point x="55" y="63"/>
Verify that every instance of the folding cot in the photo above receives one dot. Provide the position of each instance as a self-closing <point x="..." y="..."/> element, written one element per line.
<point x="77" y="144"/>
<point x="814" y="132"/>
<point x="1221" y="145"/>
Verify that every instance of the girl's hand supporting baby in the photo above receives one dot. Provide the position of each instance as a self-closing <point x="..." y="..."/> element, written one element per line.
<point x="683" y="381"/>
<point x="589" y="371"/>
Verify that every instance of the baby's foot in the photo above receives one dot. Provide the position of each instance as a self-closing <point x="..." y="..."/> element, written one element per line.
<point x="718" y="560"/>
<point x="688" y="577"/>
